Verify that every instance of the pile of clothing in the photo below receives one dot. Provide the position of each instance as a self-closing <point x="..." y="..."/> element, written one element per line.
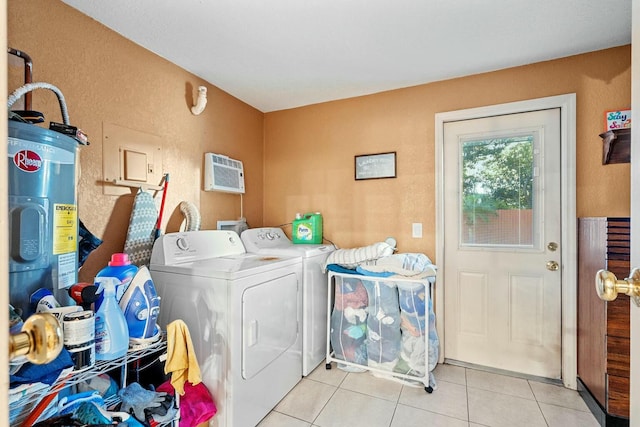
<point x="139" y="408"/>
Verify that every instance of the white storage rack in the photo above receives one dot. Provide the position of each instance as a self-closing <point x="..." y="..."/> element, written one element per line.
<point x="331" y="354"/>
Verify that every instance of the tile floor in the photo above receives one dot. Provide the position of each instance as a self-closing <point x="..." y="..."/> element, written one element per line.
<point x="464" y="398"/>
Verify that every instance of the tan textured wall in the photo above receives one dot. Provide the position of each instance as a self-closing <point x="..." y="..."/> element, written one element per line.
<point x="309" y="152"/>
<point x="106" y="78"/>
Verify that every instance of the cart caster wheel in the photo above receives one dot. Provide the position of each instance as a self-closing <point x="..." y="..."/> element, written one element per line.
<point x="428" y="389"/>
<point x="328" y="366"/>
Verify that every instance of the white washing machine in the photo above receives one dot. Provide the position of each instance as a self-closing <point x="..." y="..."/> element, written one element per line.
<point x="243" y="312"/>
<point x="272" y="240"/>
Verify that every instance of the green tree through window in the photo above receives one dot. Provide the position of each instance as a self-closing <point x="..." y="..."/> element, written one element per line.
<point x="497" y="174"/>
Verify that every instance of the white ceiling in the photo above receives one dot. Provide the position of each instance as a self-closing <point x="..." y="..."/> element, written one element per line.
<point x="279" y="54"/>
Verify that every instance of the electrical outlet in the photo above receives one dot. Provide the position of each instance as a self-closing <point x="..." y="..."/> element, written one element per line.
<point x="416" y="230"/>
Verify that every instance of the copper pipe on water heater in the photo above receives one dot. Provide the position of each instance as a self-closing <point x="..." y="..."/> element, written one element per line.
<point x="28" y="73"/>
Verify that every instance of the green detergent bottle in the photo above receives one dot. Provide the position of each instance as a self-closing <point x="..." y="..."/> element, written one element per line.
<point x="307" y="228"/>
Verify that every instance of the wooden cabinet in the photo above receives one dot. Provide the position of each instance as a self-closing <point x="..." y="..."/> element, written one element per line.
<point x="603" y="327"/>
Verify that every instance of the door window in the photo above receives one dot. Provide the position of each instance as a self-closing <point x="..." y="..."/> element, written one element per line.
<point x="498" y="191"/>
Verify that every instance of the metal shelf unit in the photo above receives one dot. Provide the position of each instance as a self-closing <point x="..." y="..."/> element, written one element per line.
<point x="23" y="403"/>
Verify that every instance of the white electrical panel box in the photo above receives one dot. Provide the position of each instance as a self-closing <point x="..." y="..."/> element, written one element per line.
<point x="222" y="173"/>
<point x="129" y="157"/>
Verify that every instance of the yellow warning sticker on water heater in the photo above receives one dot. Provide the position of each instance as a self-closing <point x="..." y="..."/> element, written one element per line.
<point x="65" y="228"/>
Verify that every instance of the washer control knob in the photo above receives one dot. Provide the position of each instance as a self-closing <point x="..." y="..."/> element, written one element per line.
<point x="182" y="244"/>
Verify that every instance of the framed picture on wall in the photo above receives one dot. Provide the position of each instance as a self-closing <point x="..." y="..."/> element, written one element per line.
<point x="375" y="166"/>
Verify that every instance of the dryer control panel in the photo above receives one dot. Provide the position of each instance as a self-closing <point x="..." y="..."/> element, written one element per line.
<point x="273" y="239"/>
<point x="176" y="248"/>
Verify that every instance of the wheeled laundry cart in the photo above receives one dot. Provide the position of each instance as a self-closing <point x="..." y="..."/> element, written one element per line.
<point x="385" y="325"/>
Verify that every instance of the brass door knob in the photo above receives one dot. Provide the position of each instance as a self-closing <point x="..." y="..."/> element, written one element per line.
<point x="40" y="340"/>
<point x="608" y="286"/>
<point x="553" y="266"/>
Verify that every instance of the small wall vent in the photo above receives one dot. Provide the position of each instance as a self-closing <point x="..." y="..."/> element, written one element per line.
<point x="222" y="173"/>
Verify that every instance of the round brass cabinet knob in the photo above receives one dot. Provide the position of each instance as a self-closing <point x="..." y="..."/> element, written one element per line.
<point x="40" y="340"/>
<point x="608" y="286"/>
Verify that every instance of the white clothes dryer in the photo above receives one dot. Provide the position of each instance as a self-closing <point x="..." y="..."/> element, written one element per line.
<point x="272" y="240"/>
<point x="242" y="311"/>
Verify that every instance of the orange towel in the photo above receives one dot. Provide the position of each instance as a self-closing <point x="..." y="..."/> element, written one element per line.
<point x="181" y="357"/>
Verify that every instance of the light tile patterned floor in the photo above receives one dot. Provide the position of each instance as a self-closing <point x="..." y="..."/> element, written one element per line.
<point x="464" y="398"/>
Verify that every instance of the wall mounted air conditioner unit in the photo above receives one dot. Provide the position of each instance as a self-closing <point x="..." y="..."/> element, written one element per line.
<point x="222" y="173"/>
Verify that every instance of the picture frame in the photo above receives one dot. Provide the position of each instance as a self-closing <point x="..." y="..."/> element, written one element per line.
<point x="375" y="166"/>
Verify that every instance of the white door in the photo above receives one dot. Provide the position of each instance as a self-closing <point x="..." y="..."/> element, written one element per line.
<point x="634" y="416"/>
<point x="502" y="234"/>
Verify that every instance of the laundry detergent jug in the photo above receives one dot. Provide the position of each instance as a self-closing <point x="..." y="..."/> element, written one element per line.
<point x="307" y="228"/>
<point x="122" y="269"/>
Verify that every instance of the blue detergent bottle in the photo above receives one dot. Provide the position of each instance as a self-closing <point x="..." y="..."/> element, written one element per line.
<point x="112" y="334"/>
<point x="121" y="268"/>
